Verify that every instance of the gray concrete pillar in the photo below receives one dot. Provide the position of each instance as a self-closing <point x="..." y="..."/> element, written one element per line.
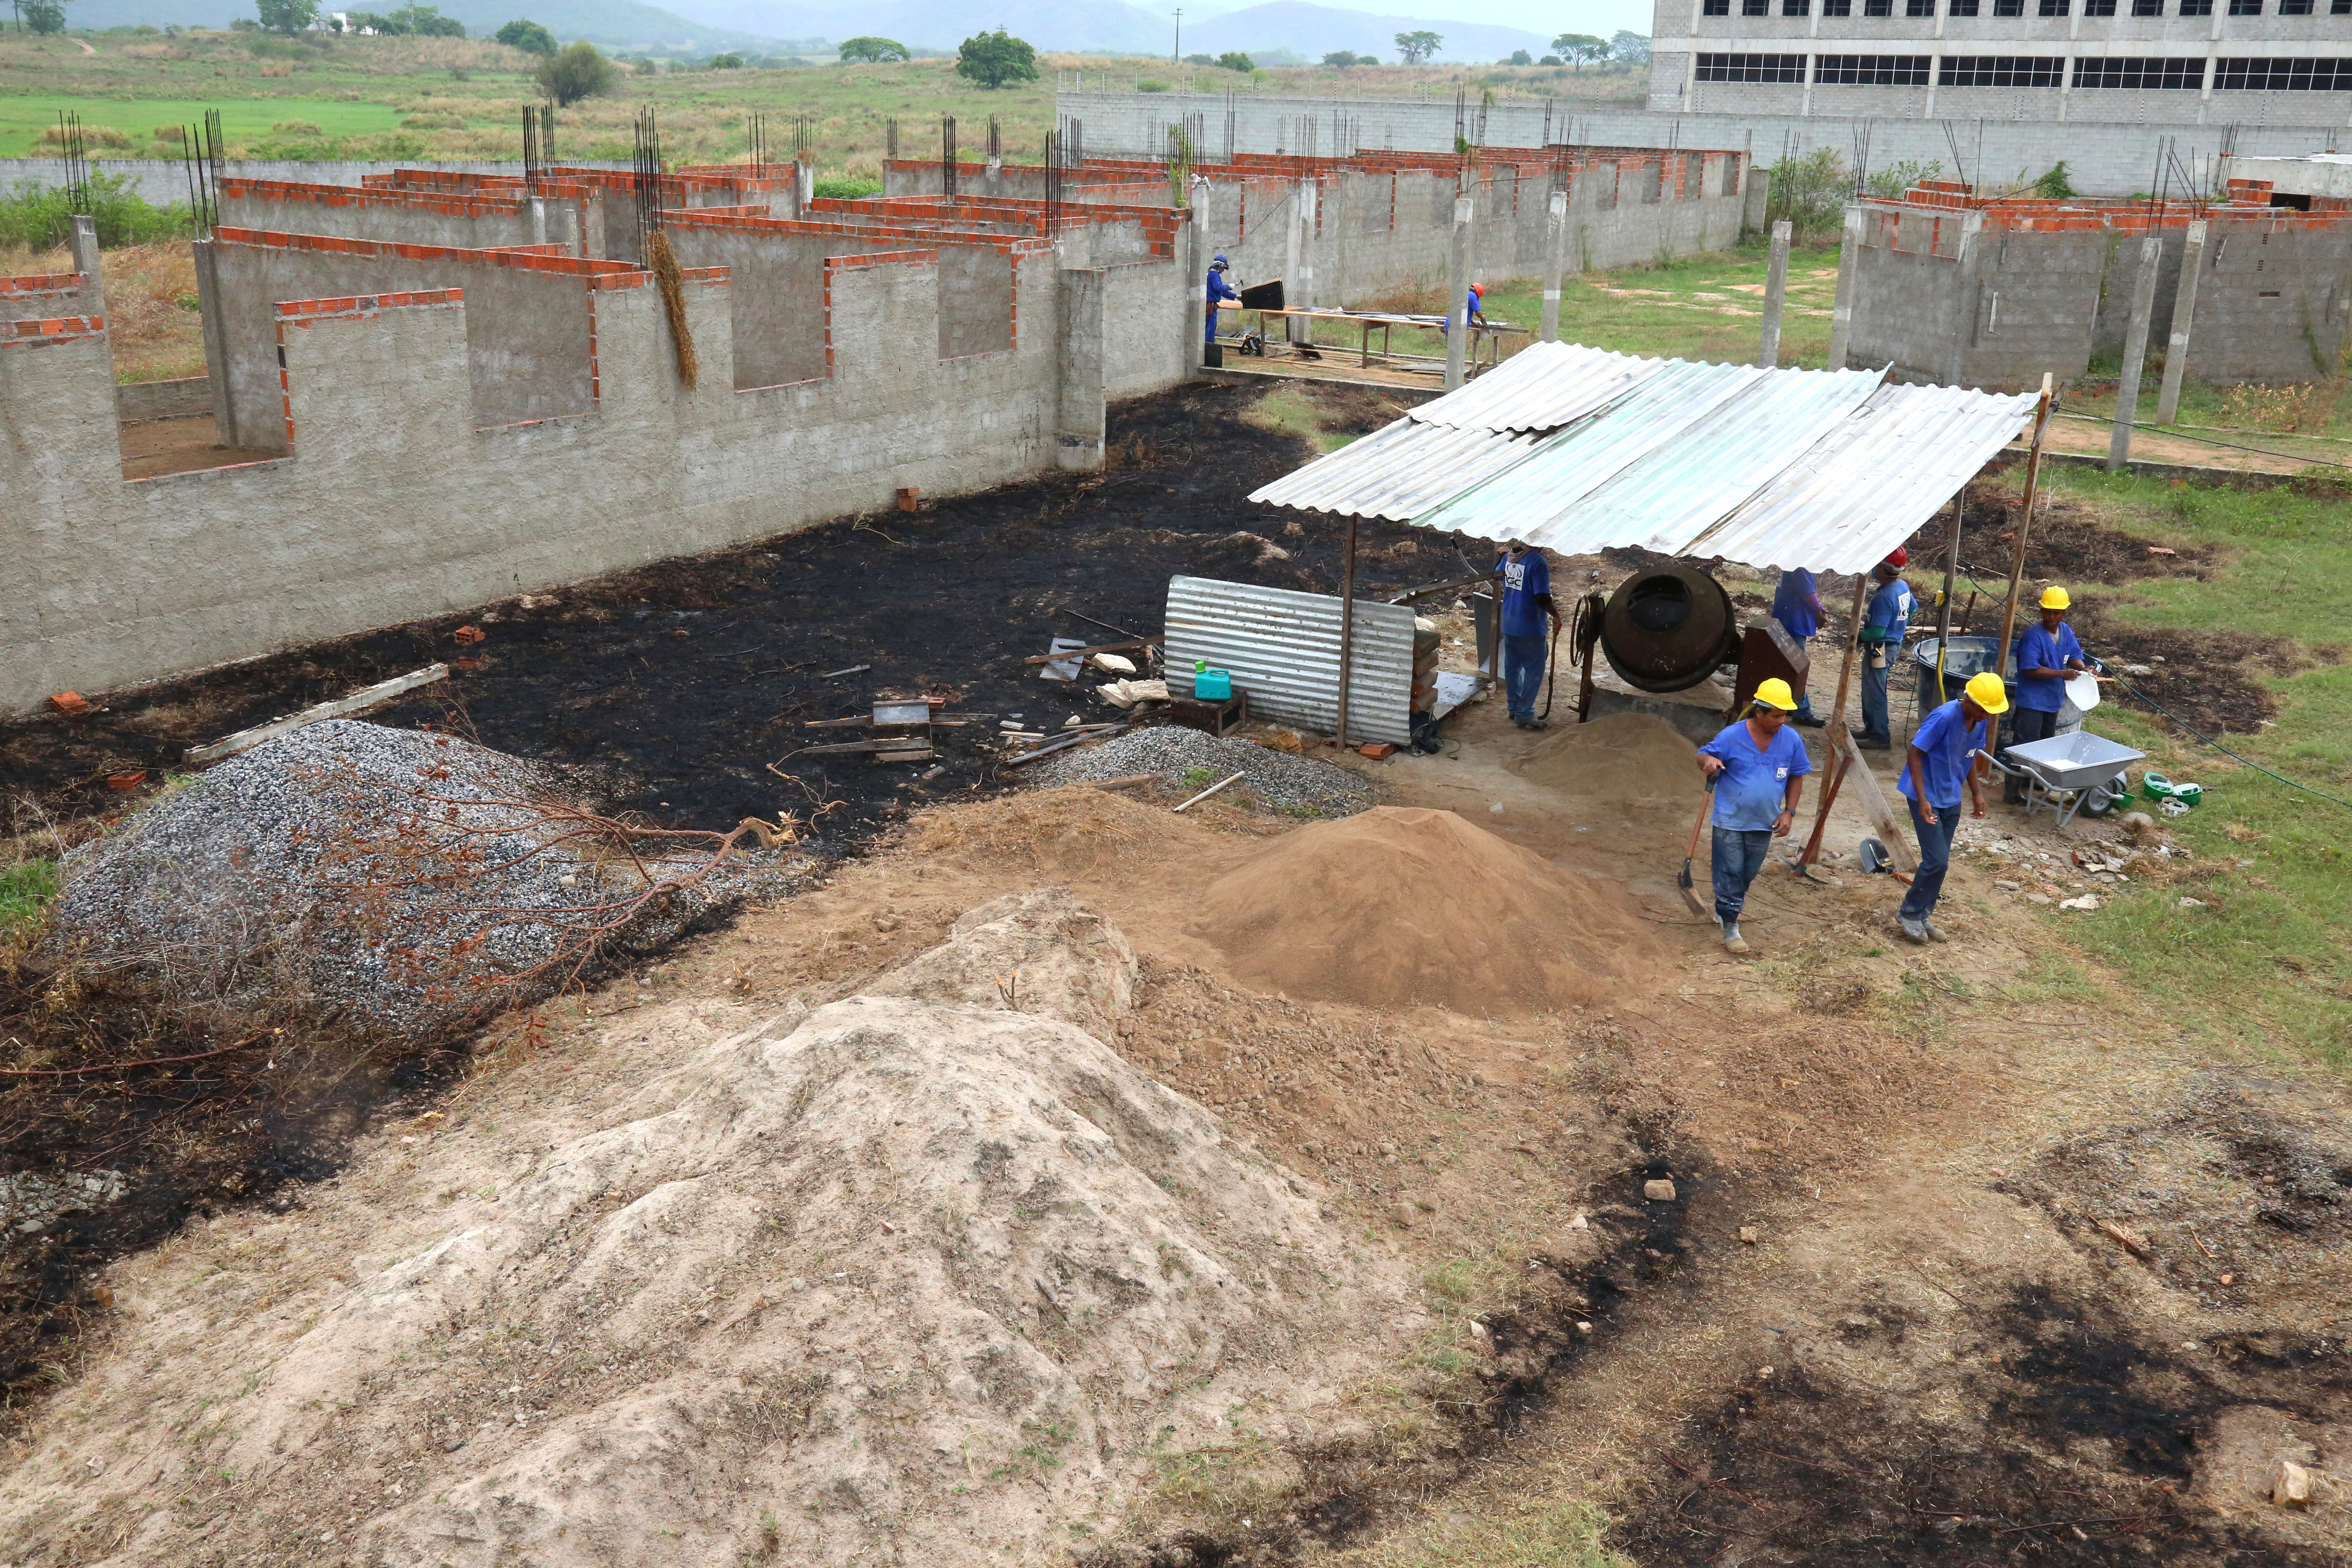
<point x="1755" y="199"/>
<point x="84" y="240"/>
<point x="2184" y="311"/>
<point x="1842" y="314"/>
<point x="1457" y="288"/>
<point x="1555" y="245"/>
<point x="208" y="313"/>
<point x="538" y="220"/>
<point x="1775" y="294"/>
<point x="1965" y="305"/>
<point x="2151" y="257"/>
<point x="1298" y="279"/>
<point x="992" y="179"/>
<point x="1196" y="280"/>
<point x="1080" y="414"/>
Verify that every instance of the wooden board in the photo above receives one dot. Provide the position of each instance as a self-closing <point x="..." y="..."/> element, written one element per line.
<point x="358" y="702"/>
<point x="1891" y="830"/>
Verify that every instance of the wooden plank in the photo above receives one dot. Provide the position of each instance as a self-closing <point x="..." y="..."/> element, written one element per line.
<point x="358" y="702"/>
<point x="1132" y="643"/>
<point x="887" y="743"/>
<point x="1873" y="801"/>
<point x="1056" y="747"/>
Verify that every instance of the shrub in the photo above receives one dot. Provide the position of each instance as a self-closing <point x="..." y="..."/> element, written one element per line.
<point x="2054" y="185"/>
<point x="92" y="137"/>
<point x="33" y="218"/>
<point x="1896" y="178"/>
<point x="1234" y="60"/>
<point x="529" y="37"/>
<point x="290" y="128"/>
<point x="578" y="72"/>
<point x="1150" y="84"/>
<point x="846" y="187"/>
<point x="1810" y="192"/>
<point x="727" y="62"/>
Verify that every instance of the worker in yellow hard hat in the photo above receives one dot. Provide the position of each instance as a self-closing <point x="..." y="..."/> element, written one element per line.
<point x="1758" y="766"/>
<point x="1945" y="752"/>
<point x="2046" y="655"/>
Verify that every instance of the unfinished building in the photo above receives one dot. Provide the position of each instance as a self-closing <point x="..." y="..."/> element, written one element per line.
<point x="432" y="391"/>
<point x="1994" y="293"/>
<point x="1342" y="231"/>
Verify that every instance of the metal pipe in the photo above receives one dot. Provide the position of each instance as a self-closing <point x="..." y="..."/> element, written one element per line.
<point x="1347" y="628"/>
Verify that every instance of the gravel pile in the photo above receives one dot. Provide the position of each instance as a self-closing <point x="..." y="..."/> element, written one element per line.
<point x="403" y="881"/>
<point x="1277" y="778"/>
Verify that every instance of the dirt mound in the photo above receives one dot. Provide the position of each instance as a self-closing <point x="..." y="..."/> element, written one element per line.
<point x="398" y="881"/>
<point x="903" y="1279"/>
<point x="1623" y="758"/>
<point x="1400" y="906"/>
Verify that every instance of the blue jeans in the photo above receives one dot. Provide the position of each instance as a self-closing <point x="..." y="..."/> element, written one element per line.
<point x="1523" y="672"/>
<point x="1873" y="700"/>
<point x="1737" y="855"/>
<point x="1934" y="858"/>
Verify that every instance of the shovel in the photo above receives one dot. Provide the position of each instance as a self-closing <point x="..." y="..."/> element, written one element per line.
<point x="1690" y="892"/>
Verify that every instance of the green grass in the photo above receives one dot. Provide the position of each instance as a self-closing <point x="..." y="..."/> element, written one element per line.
<point x="2268" y="961"/>
<point x="243" y="121"/>
<point x="25" y="890"/>
<point x="1545" y="1534"/>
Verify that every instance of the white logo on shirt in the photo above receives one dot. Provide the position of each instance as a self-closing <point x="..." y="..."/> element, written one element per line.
<point x="1514" y="575"/>
<point x="1781" y="772"/>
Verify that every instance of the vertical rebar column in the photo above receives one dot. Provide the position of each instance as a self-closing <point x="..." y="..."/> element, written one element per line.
<point x="1775" y="294"/>
<point x="948" y="156"/>
<point x="2184" y="311"/>
<point x="646" y="162"/>
<point x="2151" y="255"/>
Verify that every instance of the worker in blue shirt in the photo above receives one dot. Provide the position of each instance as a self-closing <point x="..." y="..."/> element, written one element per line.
<point x="1942" y="756"/>
<point x="2046" y="655"/>
<point x="1470" y="311"/>
<point x="1219" y="291"/>
<point x="1797" y="605"/>
<point x="1526" y="606"/>
<point x="1882" y="624"/>
<point x="1758" y="767"/>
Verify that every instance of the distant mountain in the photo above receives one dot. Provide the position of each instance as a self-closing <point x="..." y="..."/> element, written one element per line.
<point x="1094" y="27"/>
<point x="1316" y="30"/>
<point x="614" y="23"/>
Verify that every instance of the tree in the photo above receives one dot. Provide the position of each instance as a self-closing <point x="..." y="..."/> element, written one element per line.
<point x="1415" y="49"/>
<point x="1550" y="60"/>
<point x="1234" y="60"/>
<point x="1629" y="48"/>
<point x="1580" y="48"/>
<point x="994" y="58"/>
<point x="287" y="16"/>
<point x="578" y="72"/>
<point x="1520" y="57"/>
<point x="529" y="37"/>
<point x="727" y="62"/>
<point x="1343" y="58"/>
<point x="1200" y="59"/>
<point x="44" y="17"/>
<point x="872" y="51"/>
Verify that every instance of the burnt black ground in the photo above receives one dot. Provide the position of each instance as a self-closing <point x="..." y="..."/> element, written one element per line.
<point x="677" y="683"/>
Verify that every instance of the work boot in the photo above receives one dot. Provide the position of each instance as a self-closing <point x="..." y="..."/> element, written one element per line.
<point x="1809" y="720"/>
<point x="1538" y="724"/>
<point x="1732" y="941"/>
<point x="1867" y="744"/>
<point x="1914" y="931"/>
<point x="1935" y="931"/>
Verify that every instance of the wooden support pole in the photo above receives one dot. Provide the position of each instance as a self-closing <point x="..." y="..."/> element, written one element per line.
<point x="1837" y="714"/>
<point x="2017" y="556"/>
<point x="1347" y="628"/>
<point x="1812" y="851"/>
<point x="1951" y="584"/>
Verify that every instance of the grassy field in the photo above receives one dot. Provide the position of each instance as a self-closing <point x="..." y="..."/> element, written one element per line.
<point x="2266" y="960"/>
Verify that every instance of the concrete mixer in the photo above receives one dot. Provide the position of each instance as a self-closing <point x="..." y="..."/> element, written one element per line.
<point x="1669" y="627"/>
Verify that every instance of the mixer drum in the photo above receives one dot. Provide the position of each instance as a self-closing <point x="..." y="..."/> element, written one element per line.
<point x="1668" y="628"/>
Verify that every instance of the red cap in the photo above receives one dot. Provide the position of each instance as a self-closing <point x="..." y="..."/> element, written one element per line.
<point x="1898" y="558"/>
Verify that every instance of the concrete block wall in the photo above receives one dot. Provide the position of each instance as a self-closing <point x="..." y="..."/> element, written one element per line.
<point x="2001" y="135"/>
<point x="392" y="499"/>
<point x="2047" y="286"/>
<point x="571" y="218"/>
<point x="40" y="295"/>
<point x="176" y="399"/>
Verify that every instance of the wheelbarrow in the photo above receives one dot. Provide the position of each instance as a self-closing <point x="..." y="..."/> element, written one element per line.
<point x="2069" y="774"/>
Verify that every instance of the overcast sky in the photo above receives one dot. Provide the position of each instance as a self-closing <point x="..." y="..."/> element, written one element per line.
<point x="1550" y="17"/>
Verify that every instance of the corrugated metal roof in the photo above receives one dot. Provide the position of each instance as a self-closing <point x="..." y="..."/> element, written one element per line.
<point x="1398" y="471"/>
<point x="1282" y="647"/>
<point x="1542" y="387"/>
<point x="1828" y="469"/>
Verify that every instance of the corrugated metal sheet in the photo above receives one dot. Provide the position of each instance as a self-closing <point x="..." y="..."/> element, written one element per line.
<point x="1282" y="647"/>
<point x="1866" y="486"/>
<point x="1828" y="469"/>
<point x="1563" y="469"/>
<point x="1396" y="472"/>
<point x="1542" y="387"/>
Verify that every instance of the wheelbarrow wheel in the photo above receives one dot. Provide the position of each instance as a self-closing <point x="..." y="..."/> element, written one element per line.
<point x="2103" y="798"/>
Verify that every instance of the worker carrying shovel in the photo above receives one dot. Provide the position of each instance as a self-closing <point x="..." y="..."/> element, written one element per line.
<point x="1758" y="767"/>
<point x="1944" y="752"/>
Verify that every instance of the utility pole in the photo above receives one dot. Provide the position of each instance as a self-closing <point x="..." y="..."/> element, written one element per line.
<point x="1176" y="56"/>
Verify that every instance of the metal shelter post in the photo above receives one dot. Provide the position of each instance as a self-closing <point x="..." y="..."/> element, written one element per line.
<point x="1347" y="628"/>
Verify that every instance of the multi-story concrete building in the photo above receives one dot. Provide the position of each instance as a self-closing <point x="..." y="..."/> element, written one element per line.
<point x="2169" y="62"/>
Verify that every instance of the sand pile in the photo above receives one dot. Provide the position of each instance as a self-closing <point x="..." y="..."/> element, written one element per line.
<point x="1622" y="759"/>
<point x="914" y="1278"/>
<point x="1400" y="906"/>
